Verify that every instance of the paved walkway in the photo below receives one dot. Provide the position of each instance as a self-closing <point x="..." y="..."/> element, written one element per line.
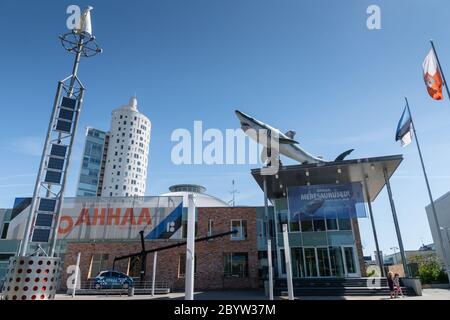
<point x="428" y="294"/>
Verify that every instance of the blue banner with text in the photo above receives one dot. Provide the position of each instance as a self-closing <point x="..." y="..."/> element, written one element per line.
<point x="326" y="201"/>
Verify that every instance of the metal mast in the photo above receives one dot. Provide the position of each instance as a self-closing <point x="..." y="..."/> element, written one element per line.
<point x="43" y="220"/>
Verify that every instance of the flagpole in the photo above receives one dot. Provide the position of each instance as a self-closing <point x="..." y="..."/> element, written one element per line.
<point x="440" y="68"/>
<point x="436" y="221"/>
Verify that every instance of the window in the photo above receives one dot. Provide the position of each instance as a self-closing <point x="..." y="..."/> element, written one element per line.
<point x="307" y="225"/>
<point x="184" y="229"/>
<point x="182" y="265"/>
<point x="5" y="230"/>
<point x="332" y="224"/>
<point x="319" y="225"/>
<point x="241" y="227"/>
<point x="210" y="227"/>
<point x="345" y="224"/>
<point x="236" y="265"/>
<point x="99" y="262"/>
<point x="294" y="226"/>
<point x="134" y="267"/>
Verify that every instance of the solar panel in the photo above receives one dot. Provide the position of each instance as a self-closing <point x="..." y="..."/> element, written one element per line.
<point x="63" y="126"/>
<point x="40" y="235"/>
<point x="68" y="103"/>
<point x="53" y="177"/>
<point x="58" y="150"/>
<point x="65" y="114"/>
<point x="44" y="220"/>
<point x="55" y="163"/>
<point x="47" y="205"/>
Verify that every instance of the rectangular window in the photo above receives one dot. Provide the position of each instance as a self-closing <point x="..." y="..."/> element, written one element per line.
<point x="307" y="225"/>
<point x="184" y="229"/>
<point x="332" y="224"/>
<point x="182" y="265"/>
<point x="5" y="230"/>
<point x="99" y="262"/>
<point x="240" y="226"/>
<point x="294" y="226"/>
<point x="236" y="265"/>
<point x="319" y="225"/>
<point x="345" y="224"/>
<point x="210" y="227"/>
<point x="134" y="267"/>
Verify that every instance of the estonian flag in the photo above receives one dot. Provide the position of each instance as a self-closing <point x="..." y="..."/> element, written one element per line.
<point x="404" y="132"/>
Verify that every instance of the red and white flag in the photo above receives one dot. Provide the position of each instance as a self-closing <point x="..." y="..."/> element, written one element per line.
<point x="432" y="76"/>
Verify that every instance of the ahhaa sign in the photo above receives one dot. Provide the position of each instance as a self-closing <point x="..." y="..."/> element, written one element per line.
<point x="328" y="201"/>
<point x="109" y="218"/>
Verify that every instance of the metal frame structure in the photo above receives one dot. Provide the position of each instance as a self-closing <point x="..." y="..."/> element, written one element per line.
<point x="43" y="221"/>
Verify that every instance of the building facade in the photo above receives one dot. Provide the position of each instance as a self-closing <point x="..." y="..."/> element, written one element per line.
<point x="127" y="157"/>
<point x="90" y="180"/>
<point x="442" y="206"/>
<point x="230" y="262"/>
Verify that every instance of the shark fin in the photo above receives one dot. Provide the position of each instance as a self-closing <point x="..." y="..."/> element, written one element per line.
<point x="342" y="156"/>
<point x="290" y="134"/>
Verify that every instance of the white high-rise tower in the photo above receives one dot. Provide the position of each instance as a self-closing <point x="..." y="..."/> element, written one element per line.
<point x="127" y="158"/>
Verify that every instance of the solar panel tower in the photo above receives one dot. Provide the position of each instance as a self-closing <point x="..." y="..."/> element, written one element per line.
<point x="36" y="260"/>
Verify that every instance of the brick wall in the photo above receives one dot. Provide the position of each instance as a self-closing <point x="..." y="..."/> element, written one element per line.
<point x="209" y="254"/>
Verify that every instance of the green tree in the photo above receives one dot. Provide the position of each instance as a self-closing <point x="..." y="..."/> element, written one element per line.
<point x="430" y="268"/>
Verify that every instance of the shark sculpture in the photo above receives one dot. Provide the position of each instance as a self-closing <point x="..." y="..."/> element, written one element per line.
<point x="287" y="145"/>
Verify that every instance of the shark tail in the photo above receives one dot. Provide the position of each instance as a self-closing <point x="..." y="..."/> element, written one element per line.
<point x="342" y="156"/>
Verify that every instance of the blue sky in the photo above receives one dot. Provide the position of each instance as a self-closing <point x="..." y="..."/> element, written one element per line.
<point x="309" y="66"/>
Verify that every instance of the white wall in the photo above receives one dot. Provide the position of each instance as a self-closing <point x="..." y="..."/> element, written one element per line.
<point x="442" y="206"/>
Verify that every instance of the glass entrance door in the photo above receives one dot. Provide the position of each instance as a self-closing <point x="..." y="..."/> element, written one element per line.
<point x="297" y="263"/>
<point x="337" y="262"/>
<point x="349" y="261"/>
<point x="310" y="262"/>
<point x="323" y="262"/>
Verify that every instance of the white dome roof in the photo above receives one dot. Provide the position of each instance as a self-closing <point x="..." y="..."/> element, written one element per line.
<point x="201" y="199"/>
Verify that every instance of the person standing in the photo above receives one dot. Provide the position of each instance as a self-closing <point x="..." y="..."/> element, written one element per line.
<point x="398" y="289"/>
<point x="390" y="281"/>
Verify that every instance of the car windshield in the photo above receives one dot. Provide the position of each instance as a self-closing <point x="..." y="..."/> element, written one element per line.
<point x="103" y="274"/>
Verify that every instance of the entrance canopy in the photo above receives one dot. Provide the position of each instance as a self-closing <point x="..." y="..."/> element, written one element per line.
<point x="347" y="171"/>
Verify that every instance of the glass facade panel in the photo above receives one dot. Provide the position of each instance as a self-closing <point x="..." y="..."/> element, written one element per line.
<point x="323" y="262"/>
<point x="307" y="225"/>
<point x="320" y="247"/>
<point x="315" y="239"/>
<point x="236" y="265"/>
<point x="319" y="225"/>
<point x="349" y="260"/>
<point x="337" y="263"/>
<point x="332" y="224"/>
<point x="345" y="224"/>
<point x="297" y="263"/>
<point x="310" y="262"/>
<point x="92" y="162"/>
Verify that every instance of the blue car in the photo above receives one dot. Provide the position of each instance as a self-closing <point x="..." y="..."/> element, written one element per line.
<point x="111" y="279"/>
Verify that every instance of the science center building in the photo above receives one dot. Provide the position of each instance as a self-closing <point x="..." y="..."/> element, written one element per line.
<point x="320" y="204"/>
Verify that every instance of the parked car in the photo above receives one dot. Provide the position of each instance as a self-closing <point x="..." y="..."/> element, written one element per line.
<point x="111" y="279"/>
